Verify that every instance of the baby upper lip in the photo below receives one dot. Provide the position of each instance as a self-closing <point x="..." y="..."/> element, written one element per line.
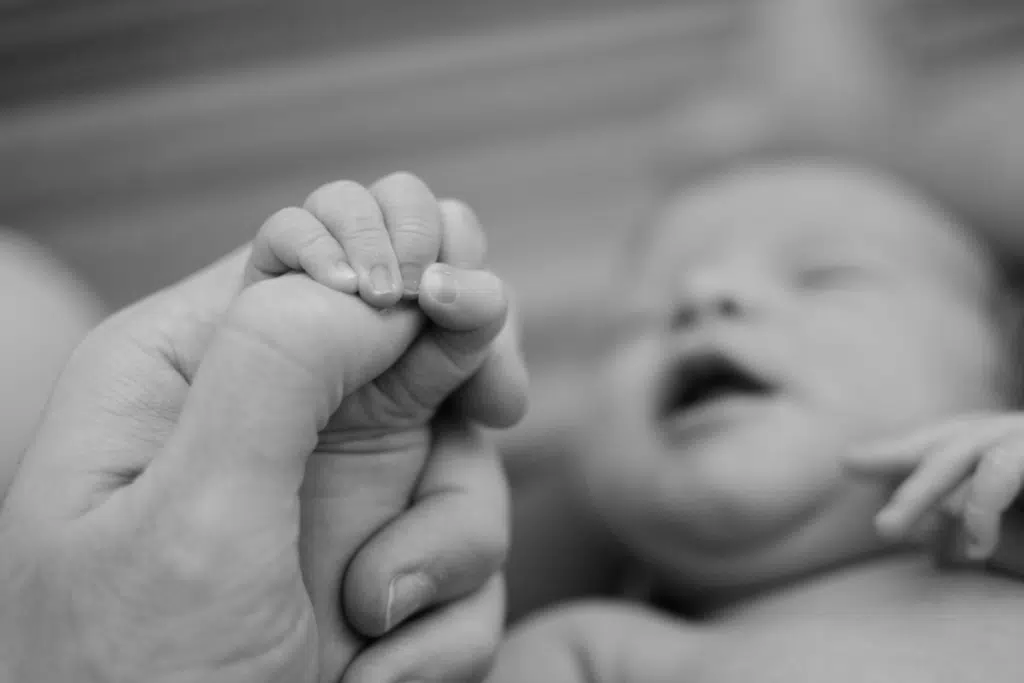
<point x="700" y="376"/>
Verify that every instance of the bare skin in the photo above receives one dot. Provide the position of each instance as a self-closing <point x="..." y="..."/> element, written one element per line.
<point x="896" y="619"/>
<point x="865" y="324"/>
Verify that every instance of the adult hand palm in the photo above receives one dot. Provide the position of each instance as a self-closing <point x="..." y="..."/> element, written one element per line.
<point x="162" y="495"/>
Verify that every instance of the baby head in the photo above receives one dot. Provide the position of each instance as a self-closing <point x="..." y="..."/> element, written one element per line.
<point x="781" y="316"/>
<point x="932" y="90"/>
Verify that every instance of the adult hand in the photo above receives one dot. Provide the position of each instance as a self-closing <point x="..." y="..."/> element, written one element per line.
<point x="151" y="531"/>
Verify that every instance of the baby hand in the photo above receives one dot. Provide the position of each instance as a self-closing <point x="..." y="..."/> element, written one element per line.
<point x="970" y="469"/>
<point x="374" y="241"/>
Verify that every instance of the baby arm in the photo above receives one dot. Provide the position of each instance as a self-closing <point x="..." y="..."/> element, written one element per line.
<point x="598" y="642"/>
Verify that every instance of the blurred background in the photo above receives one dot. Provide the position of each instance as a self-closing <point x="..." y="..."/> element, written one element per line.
<point x="141" y="140"/>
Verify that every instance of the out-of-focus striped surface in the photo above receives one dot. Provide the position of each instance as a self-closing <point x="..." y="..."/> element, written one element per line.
<point x="543" y="122"/>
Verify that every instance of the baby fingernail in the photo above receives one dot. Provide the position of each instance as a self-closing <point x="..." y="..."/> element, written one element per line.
<point x="440" y="284"/>
<point x="346" y="276"/>
<point x="407" y="594"/>
<point x="411" y="274"/>
<point x="380" y="280"/>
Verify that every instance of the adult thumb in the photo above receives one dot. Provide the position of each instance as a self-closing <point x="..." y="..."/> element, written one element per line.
<point x="286" y="353"/>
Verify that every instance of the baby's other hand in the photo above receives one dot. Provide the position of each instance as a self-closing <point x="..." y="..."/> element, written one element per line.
<point x="374" y="241"/>
<point x="969" y="469"/>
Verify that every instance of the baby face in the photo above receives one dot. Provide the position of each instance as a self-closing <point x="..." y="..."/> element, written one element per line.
<point x="783" y="316"/>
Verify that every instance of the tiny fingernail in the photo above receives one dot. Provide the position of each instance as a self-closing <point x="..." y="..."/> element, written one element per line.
<point x="346" y="276"/>
<point x="440" y="284"/>
<point x="411" y="274"/>
<point x="407" y="594"/>
<point x="380" y="280"/>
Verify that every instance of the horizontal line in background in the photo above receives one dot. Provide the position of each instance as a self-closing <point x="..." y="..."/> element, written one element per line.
<point x="74" y="47"/>
<point x="392" y="104"/>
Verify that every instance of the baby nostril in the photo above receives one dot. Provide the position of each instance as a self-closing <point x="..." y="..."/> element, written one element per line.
<point x="684" y="317"/>
<point x="728" y="307"/>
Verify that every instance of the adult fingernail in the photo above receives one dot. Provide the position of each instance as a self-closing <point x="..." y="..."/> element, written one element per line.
<point x="407" y="594"/>
<point x="380" y="280"/>
<point x="440" y="284"/>
<point x="411" y="274"/>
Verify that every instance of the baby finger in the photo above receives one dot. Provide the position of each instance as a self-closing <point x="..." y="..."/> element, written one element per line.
<point x="996" y="483"/>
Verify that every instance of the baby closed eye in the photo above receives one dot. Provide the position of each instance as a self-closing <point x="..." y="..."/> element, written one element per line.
<point x="829" y="276"/>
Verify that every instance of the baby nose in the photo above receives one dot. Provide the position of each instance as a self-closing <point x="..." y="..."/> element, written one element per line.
<point x="704" y="298"/>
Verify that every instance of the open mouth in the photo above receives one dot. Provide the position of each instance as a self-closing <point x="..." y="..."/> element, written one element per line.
<point x="707" y="378"/>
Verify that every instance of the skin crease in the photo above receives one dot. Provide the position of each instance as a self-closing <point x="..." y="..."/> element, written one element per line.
<point x="869" y="323"/>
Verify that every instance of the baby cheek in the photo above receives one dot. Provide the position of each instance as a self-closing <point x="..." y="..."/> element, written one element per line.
<point x="618" y="441"/>
<point x="626" y="383"/>
<point x="959" y="354"/>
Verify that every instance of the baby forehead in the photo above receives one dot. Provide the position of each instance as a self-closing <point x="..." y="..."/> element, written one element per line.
<point x="811" y="206"/>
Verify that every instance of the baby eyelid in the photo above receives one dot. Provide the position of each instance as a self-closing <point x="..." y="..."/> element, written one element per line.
<point x="825" y="275"/>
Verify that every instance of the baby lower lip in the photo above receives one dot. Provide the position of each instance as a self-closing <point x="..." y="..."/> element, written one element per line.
<point x="709" y="417"/>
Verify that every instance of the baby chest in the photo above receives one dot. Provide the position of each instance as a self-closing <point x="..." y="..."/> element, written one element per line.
<point x="960" y="641"/>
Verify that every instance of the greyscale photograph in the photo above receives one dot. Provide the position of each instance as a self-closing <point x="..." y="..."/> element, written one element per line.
<point x="511" y="341"/>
